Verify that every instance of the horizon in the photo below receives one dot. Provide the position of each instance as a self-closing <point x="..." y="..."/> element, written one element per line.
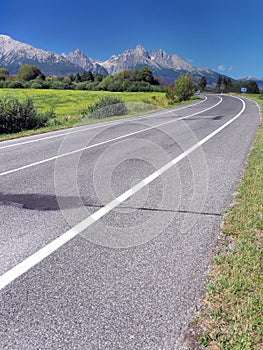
<point x="202" y="34"/>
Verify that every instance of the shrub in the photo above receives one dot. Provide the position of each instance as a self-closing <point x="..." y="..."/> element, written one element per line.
<point x="35" y="85"/>
<point x="184" y="88"/>
<point x="49" y="114"/>
<point x="58" y="85"/>
<point x="107" y="106"/>
<point x="171" y="95"/>
<point x="81" y="86"/>
<point x="54" y="122"/>
<point x="14" y="85"/>
<point x="16" y="116"/>
<point x="92" y="86"/>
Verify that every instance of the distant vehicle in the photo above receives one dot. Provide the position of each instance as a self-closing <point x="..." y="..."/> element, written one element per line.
<point x="198" y="92"/>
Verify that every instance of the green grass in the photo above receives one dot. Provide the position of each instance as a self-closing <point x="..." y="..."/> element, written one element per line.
<point x="72" y="103"/>
<point x="232" y="317"/>
<point x="69" y="105"/>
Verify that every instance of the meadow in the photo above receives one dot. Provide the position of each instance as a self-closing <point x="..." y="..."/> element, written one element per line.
<point x="72" y="103"/>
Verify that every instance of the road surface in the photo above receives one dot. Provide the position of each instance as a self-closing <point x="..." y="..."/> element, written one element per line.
<point x="107" y="231"/>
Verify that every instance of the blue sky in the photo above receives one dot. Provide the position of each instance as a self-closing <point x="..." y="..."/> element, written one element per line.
<point x="224" y="35"/>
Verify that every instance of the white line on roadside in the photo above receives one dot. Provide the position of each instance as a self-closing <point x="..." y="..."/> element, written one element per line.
<point x="44" y="252"/>
<point x="104" y="142"/>
<point x="91" y="127"/>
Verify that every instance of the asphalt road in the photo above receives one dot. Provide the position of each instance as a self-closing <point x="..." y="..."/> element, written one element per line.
<point x="107" y="231"/>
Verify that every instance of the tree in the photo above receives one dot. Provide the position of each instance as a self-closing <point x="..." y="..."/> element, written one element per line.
<point x="218" y="87"/>
<point x="185" y="88"/>
<point x="87" y="76"/>
<point x="202" y="83"/>
<point x="77" y="78"/>
<point x="252" y="87"/>
<point x="106" y="82"/>
<point x="124" y="75"/>
<point x="29" y="72"/>
<point x="71" y="77"/>
<point x="228" y="84"/>
<point x="4" y="73"/>
<point x="145" y="74"/>
<point x="98" y="77"/>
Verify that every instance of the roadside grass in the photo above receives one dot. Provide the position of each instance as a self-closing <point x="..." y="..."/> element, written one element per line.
<point x="70" y="105"/>
<point x="232" y="314"/>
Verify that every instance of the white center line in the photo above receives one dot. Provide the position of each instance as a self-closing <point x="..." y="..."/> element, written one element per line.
<point x="44" y="252"/>
<point x="103" y="142"/>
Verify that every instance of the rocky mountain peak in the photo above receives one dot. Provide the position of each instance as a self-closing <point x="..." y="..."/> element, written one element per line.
<point x="14" y="53"/>
<point x="79" y="52"/>
<point x="139" y="49"/>
<point x="79" y="58"/>
<point x="5" y="37"/>
<point x="158" y="55"/>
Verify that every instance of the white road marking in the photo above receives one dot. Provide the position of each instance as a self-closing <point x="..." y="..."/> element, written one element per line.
<point x="103" y="142"/>
<point x="91" y="127"/>
<point x="44" y="252"/>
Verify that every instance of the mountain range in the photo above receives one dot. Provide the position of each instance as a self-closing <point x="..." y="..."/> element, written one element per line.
<point x="259" y="81"/>
<point x="169" y="67"/>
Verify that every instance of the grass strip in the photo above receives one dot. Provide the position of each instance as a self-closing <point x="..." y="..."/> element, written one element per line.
<point x="232" y="313"/>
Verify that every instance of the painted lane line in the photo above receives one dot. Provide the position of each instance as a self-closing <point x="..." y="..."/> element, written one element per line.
<point x="91" y="127"/>
<point x="44" y="252"/>
<point x="103" y="142"/>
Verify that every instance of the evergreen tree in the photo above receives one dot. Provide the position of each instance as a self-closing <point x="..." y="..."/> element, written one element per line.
<point x="252" y="87"/>
<point x="77" y="78"/>
<point x="145" y="74"/>
<point x="202" y="83"/>
<point x="218" y="87"/>
<point x="71" y="77"/>
<point x="87" y="76"/>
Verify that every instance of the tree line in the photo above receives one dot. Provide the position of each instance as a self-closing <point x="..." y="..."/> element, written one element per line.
<point x="226" y="84"/>
<point x="30" y="76"/>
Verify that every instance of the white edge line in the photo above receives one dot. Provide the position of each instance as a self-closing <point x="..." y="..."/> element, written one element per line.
<point x="44" y="252"/>
<point x="7" y="172"/>
<point x="101" y="125"/>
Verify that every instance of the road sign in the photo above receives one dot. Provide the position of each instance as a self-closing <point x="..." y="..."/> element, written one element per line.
<point x="243" y="89"/>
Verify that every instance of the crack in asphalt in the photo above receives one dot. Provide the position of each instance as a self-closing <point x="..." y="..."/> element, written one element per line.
<point x="51" y="202"/>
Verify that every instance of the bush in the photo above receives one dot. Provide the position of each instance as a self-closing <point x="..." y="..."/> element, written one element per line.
<point x="14" y="85"/>
<point x="35" y="85"/>
<point x="58" y="85"/>
<point x="184" y="88"/>
<point x="92" y="86"/>
<point x="16" y="116"/>
<point x="80" y="86"/>
<point x="107" y="106"/>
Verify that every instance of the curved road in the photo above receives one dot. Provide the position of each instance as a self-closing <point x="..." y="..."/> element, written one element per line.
<point x="107" y="230"/>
